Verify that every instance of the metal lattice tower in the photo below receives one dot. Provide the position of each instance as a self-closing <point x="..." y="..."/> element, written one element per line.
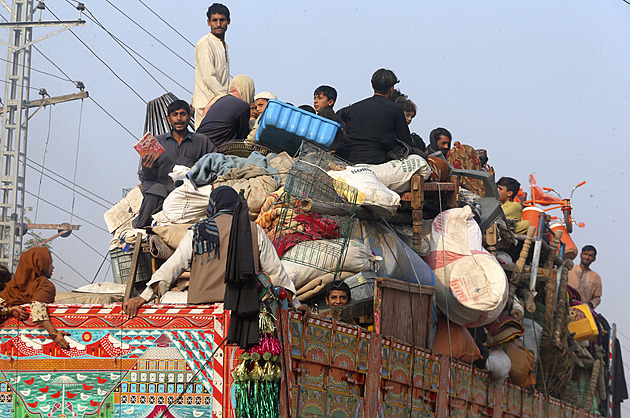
<point x="15" y="123"/>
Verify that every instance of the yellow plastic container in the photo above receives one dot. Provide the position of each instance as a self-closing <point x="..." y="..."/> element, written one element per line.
<point x="582" y="323"/>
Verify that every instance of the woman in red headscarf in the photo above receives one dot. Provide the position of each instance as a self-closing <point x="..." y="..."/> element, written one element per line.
<point x="31" y="284"/>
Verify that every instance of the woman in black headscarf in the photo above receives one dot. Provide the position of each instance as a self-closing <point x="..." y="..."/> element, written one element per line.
<point x="206" y="250"/>
<point x="439" y="140"/>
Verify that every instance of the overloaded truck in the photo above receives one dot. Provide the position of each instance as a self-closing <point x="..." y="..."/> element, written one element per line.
<point x="452" y="313"/>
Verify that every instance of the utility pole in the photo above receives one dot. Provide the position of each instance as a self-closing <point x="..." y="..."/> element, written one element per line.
<point x="15" y="121"/>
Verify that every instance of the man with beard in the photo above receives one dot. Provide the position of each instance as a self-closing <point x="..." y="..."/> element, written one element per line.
<point x="439" y="140"/>
<point x="181" y="147"/>
<point x="586" y="281"/>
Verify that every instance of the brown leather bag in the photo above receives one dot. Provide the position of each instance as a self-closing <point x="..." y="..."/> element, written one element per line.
<point x="440" y="170"/>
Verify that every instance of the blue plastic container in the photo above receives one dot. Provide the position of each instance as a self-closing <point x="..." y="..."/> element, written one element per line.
<point x="283" y="127"/>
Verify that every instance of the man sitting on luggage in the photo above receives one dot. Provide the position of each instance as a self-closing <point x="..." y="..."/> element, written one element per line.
<point x="181" y="147"/>
<point x="376" y="126"/>
<point x="204" y="249"/>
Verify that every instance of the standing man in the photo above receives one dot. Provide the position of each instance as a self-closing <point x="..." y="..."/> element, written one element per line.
<point x="374" y="124"/>
<point x="212" y="61"/>
<point x="585" y="280"/>
<point x="181" y="147"/>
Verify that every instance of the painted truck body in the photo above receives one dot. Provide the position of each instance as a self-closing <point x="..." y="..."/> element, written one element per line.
<point x="135" y="368"/>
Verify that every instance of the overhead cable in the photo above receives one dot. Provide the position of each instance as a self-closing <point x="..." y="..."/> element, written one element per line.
<point x="122" y="44"/>
<point x="88" y="245"/>
<point x="67" y="264"/>
<point x="66" y="186"/>
<point x="53" y="63"/>
<point x="113" y="118"/>
<point x="101" y="60"/>
<point x="166" y="23"/>
<point x="76" y="162"/>
<point x="43" y="72"/>
<point x="19" y="85"/>
<point x="41" y="174"/>
<point x="41" y="168"/>
<point x="150" y="34"/>
<point x="65" y="211"/>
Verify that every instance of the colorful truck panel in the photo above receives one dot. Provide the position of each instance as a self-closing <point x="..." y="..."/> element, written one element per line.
<point x="137" y="368"/>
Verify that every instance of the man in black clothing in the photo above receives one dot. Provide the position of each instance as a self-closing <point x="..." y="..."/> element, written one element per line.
<point x="374" y="124"/>
<point x="227" y="117"/>
<point x="226" y="121"/>
<point x="181" y="147"/>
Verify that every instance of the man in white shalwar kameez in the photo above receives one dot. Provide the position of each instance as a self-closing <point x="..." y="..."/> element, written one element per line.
<point x="212" y="61"/>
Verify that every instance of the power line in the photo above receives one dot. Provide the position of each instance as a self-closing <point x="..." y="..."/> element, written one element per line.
<point x="121" y="43"/>
<point x="41" y="169"/>
<point x="101" y="60"/>
<point x="623" y="335"/>
<point x="90" y="97"/>
<point x="150" y="34"/>
<point x="65" y="211"/>
<point x="22" y="86"/>
<point x="76" y="161"/>
<point x="166" y="23"/>
<point x="113" y="118"/>
<point x="41" y="175"/>
<point x="88" y="245"/>
<point x="64" y="285"/>
<point x="55" y="65"/>
<point x="71" y="268"/>
<point x="43" y="72"/>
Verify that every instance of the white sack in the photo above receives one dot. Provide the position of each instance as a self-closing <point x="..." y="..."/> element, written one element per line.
<point x="324" y="255"/>
<point x="396" y="174"/>
<point x="532" y="336"/>
<point x="178" y="171"/>
<point x="470" y="285"/>
<point x="184" y="205"/>
<point x="499" y="365"/>
<point x="371" y="191"/>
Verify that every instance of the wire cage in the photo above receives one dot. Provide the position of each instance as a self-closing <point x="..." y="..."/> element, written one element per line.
<point x="318" y="213"/>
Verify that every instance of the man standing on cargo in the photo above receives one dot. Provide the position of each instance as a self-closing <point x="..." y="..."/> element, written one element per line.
<point x="376" y="129"/>
<point x="586" y="281"/>
<point x="212" y="61"/>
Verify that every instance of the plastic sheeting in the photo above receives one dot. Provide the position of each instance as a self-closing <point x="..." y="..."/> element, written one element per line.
<point x="399" y="261"/>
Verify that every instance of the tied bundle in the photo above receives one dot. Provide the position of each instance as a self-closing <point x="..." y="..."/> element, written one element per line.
<point x="257" y="375"/>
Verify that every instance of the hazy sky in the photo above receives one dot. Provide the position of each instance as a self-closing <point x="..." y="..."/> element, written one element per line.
<point x="543" y="86"/>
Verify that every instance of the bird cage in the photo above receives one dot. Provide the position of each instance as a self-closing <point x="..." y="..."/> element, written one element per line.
<point x="318" y="213"/>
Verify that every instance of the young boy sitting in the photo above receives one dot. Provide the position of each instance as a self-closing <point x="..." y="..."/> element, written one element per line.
<point x="337" y="294"/>
<point x="324" y="99"/>
<point x="508" y="189"/>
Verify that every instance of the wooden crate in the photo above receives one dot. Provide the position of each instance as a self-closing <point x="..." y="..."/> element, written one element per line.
<point x="403" y="311"/>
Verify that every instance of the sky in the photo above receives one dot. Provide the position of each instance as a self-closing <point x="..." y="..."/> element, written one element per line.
<point x="543" y="86"/>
